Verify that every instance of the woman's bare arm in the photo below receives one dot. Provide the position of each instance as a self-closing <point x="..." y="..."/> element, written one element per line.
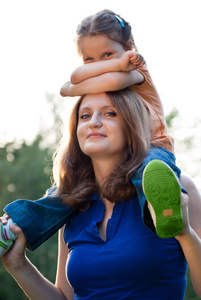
<point x="190" y="238"/>
<point x="31" y="281"/>
<point x="61" y="280"/>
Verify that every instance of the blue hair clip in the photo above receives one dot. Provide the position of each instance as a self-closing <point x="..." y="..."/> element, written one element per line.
<point x="120" y="21"/>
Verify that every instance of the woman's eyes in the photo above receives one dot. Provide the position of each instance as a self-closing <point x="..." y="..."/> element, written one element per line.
<point x="85" y="116"/>
<point x="111" y="113"/>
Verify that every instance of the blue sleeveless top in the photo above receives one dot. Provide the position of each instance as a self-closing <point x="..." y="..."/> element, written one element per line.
<point x="133" y="262"/>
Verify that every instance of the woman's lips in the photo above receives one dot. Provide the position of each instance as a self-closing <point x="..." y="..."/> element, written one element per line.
<point x="95" y="134"/>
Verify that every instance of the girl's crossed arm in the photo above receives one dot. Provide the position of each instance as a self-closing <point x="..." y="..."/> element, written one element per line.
<point x="107" y="75"/>
<point x="129" y="61"/>
<point x="113" y="81"/>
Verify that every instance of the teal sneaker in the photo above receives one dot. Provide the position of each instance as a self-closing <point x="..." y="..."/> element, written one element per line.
<point x="6" y="237"/>
<point x="162" y="190"/>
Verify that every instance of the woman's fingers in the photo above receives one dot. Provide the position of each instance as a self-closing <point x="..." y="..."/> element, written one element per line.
<point x="4" y="219"/>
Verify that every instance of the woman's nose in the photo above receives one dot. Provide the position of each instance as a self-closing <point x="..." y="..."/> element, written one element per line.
<point x="95" y="121"/>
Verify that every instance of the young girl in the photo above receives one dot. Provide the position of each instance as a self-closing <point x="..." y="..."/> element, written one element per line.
<point x="106" y="44"/>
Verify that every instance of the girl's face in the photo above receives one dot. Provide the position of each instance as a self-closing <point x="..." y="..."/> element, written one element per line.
<point x="100" y="130"/>
<point x="99" y="47"/>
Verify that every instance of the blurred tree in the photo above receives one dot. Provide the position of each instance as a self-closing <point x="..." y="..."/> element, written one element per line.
<point x="25" y="172"/>
<point x="172" y="115"/>
<point x="185" y="145"/>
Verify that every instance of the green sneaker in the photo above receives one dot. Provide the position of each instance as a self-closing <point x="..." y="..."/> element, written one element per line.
<point x="162" y="189"/>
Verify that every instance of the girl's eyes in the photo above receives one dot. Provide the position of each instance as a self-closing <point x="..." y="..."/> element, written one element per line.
<point x="91" y="59"/>
<point x="88" y="59"/>
<point x="108" y="54"/>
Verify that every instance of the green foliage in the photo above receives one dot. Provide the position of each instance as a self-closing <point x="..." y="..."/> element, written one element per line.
<point x="172" y="115"/>
<point x="25" y="173"/>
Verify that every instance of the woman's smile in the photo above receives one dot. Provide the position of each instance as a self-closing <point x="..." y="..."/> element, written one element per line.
<point x="95" y="135"/>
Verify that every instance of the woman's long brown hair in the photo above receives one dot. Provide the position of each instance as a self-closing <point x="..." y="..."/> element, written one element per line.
<point x="73" y="170"/>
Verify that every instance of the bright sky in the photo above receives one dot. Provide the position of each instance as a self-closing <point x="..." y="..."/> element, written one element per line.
<point x="37" y="54"/>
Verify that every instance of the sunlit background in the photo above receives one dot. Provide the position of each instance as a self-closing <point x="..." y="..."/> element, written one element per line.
<point x="38" y="54"/>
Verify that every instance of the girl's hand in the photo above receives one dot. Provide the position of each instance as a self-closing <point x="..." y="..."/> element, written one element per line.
<point x="131" y="61"/>
<point x="137" y="59"/>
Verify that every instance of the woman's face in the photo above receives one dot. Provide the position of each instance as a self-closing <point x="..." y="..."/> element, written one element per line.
<point x="100" y="130"/>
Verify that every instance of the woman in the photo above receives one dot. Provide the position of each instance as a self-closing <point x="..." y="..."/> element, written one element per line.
<point x="110" y="254"/>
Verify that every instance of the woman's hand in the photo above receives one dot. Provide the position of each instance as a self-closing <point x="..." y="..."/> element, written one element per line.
<point x="185" y="216"/>
<point x="31" y="281"/>
<point x="189" y="239"/>
<point x="4" y="219"/>
<point x="15" y="257"/>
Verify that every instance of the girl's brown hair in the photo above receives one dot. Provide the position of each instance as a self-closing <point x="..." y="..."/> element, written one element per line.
<point x="73" y="170"/>
<point x="107" y="23"/>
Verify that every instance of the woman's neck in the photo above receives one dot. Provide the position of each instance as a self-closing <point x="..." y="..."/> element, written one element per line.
<point x="102" y="169"/>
